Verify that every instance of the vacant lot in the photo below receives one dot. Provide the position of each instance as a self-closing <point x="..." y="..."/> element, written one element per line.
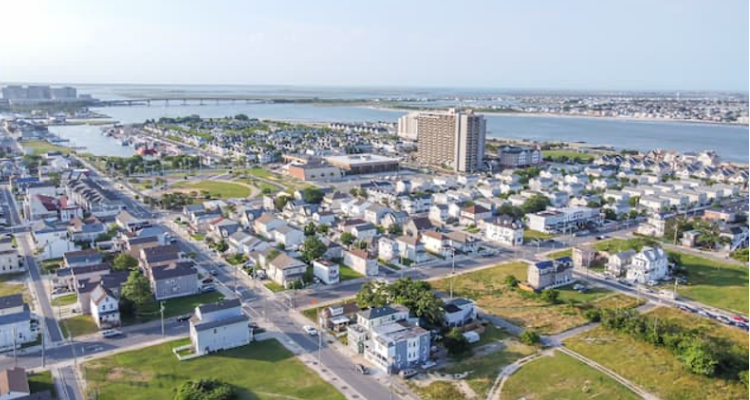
<point x="656" y="369"/>
<point x="14" y="284"/>
<point x="481" y="372"/>
<point x="38" y="147"/>
<point x="65" y="300"/>
<point x="710" y="282"/>
<point x="559" y="155"/>
<point x="562" y="377"/>
<point x="217" y="189"/>
<point x="617" y="245"/>
<point x="487" y="287"/>
<point x="529" y="235"/>
<point x="260" y="370"/>
<point x="41" y="381"/>
<point x="714" y="283"/>
<point x="173" y="307"/>
<point x="78" y="326"/>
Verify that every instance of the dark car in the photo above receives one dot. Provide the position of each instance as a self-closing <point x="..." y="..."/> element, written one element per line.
<point x="361" y="369"/>
<point x="184" y="318"/>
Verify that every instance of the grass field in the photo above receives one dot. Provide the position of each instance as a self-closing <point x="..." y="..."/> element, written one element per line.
<point x="710" y="282"/>
<point x="529" y="235"/>
<point x="39" y="147"/>
<point x="346" y="273"/>
<point x="273" y="286"/>
<point x="714" y="283"/>
<point x="217" y="189"/>
<point x="483" y="370"/>
<point x="40" y="382"/>
<point x="78" y="326"/>
<point x="12" y="284"/>
<point x="51" y="265"/>
<point x="656" y="369"/>
<point x="562" y="377"/>
<point x="65" y="300"/>
<point x="569" y="154"/>
<point x="173" y="307"/>
<point x="439" y="390"/>
<point x="561" y="253"/>
<point x="260" y="370"/>
<point x="618" y="245"/>
<point x="524" y="309"/>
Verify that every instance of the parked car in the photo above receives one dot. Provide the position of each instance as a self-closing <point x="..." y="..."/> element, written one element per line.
<point x="110" y="333"/>
<point x="310" y="330"/>
<point x="214" y="272"/>
<point x="184" y="318"/>
<point x="208" y="288"/>
<point x="407" y="373"/>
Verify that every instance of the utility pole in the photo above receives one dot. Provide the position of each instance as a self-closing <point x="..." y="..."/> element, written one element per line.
<point x="453" y="270"/>
<point x="161" y="309"/>
<point x="44" y="325"/>
<point x="15" y="356"/>
<point x="320" y="338"/>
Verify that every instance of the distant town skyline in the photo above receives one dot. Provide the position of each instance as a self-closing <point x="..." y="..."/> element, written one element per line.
<point x="574" y="46"/>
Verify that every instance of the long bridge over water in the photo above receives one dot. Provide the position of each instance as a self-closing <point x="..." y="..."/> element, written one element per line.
<point x="182" y="101"/>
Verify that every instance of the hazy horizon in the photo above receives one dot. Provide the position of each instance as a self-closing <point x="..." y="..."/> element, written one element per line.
<point x="575" y="46"/>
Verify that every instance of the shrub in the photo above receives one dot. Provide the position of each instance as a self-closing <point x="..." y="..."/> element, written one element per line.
<point x="530" y="338"/>
<point x="205" y="389"/>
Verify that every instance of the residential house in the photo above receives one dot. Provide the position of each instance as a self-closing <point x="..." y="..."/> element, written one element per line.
<point x="105" y="310"/>
<point x="474" y="214"/>
<point x="289" y="237"/>
<point x="219" y="326"/>
<point x="326" y="271"/>
<point x="459" y="312"/>
<point x="361" y="262"/>
<point x="417" y="225"/>
<point x="266" y="224"/>
<point x="129" y="223"/>
<point x="617" y="263"/>
<point x="174" y="279"/>
<point x="649" y="266"/>
<point x="285" y="270"/>
<point x="151" y="257"/>
<point x="551" y="273"/>
<point x="86" y="230"/>
<point x="15" y="319"/>
<point x="505" y="230"/>
<point x="462" y="242"/>
<point x="82" y="258"/>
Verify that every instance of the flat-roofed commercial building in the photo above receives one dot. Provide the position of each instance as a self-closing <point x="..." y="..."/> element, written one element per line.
<point x="314" y="170"/>
<point x="356" y="164"/>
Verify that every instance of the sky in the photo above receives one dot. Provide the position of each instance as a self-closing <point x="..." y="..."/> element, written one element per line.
<point x="534" y="44"/>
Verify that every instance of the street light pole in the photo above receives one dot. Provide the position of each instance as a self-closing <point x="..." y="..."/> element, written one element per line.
<point x="161" y="310"/>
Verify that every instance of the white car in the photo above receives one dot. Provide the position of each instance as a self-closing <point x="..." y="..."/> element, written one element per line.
<point x="310" y="330"/>
<point x="109" y="333"/>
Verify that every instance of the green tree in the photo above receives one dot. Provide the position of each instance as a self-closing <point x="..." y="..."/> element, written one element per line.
<point x="137" y="290"/>
<point x="456" y="343"/>
<point x="205" y="389"/>
<point x="312" y="195"/>
<point x="280" y="201"/>
<point x="535" y="204"/>
<point x="394" y="229"/>
<point x="530" y="338"/>
<point x="551" y="296"/>
<point x="309" y="229"/>
<point x="372" y="294"/>
<point x="312" y="249"/>
<point x="698" y="357"/>
<point x="124" y="262"/>
<point x="511" y="281"/>
<point x="347" y="238"/>
<point x="221" y="246"/>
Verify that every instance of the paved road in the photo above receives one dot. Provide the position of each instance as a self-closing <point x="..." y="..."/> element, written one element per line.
<point x="258" y="300"/>
<point x="27" y="249"/>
